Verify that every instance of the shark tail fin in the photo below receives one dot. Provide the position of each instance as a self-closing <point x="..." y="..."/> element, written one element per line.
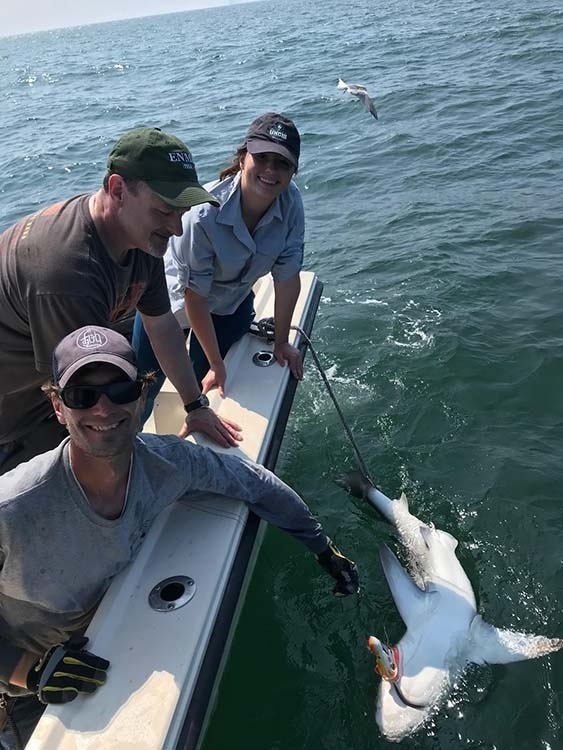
<point x="356" y="483"/>
<point x="341" y="84"/>
<point x="490" y="645"/>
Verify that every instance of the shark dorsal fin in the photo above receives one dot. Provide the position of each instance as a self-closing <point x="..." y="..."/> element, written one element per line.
<point x="402" y="500"/>
<point x="412" y="602"/>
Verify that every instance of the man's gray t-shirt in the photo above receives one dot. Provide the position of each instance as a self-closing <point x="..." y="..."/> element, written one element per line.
<point x="58" y="557"/>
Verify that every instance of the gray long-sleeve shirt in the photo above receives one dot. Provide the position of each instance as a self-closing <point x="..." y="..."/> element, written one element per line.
<point x="58" y="557"/>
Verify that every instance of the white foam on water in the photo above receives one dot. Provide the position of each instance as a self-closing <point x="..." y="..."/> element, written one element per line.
<point x="369" y="301"/>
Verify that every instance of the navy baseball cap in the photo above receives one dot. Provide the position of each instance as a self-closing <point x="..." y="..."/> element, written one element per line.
<point x="274" y="133"/>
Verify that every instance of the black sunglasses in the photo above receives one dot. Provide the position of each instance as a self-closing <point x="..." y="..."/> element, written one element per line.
<point x="86" y="396"/>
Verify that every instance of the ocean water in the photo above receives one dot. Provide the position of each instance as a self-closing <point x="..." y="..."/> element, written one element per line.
<point x="438" y="234"/>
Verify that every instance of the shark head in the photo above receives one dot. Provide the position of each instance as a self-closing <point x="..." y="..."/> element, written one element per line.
<point x="437" y="618"/>
<point x="396" y="716"/>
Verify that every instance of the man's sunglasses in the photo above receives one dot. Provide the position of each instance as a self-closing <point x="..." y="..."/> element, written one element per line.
<point x="87" y="396"/>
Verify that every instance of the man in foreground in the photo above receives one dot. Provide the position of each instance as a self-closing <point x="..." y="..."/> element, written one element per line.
<point x="94" y="259"/>
<point x="72" y="518"/>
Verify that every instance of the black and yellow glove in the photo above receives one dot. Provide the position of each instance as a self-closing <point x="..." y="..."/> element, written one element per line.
<point x="342" y="569"/>
<point x="65" y="671"/>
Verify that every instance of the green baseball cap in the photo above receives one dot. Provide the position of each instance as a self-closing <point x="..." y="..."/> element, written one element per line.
<point x="163" y="162"/>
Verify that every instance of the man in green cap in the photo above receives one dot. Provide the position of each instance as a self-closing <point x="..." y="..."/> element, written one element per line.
<point x="93" y="260"/>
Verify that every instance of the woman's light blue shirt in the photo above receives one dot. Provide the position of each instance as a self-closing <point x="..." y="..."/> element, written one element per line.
<point x="218" y="258"/>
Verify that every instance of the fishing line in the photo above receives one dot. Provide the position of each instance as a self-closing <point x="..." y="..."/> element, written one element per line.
<point x="265" y="328"/>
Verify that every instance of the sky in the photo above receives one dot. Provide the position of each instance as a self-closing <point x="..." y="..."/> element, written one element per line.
<point x="17" y="17"/>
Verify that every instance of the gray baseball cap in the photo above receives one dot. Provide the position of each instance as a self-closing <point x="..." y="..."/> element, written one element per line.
<point x="92" y="344"/>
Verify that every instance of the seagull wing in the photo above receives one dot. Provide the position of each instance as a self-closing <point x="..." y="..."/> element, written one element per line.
<point x="356" y="88"/>
<point x="369" y="106"/>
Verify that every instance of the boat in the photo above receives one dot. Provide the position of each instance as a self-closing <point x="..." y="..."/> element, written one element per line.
<point x="167" y="620"/>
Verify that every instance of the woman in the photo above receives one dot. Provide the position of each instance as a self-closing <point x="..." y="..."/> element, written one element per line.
<point x="258" y="229"/>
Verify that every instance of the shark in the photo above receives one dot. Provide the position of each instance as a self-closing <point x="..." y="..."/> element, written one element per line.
<point x="444" y="632"/>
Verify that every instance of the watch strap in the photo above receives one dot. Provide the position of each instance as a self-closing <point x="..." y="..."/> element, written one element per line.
<point x="197" y="403"/>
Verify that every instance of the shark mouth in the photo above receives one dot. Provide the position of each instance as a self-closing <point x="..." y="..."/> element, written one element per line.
<point x="388" y="667"/>
<point x="406" y="701"/>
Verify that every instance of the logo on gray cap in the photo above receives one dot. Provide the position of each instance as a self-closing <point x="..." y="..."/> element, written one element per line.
<point x="91" y="338"/>
<point x="92" y="344"/>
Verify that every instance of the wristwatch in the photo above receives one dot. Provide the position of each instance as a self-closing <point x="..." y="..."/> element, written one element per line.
<point x="200" y="401"/>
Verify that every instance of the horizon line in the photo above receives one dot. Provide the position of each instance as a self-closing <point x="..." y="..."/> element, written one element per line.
<point x="206" y="4"/>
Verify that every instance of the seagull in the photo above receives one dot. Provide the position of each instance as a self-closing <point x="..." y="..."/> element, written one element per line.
<point x="361" y="92"/>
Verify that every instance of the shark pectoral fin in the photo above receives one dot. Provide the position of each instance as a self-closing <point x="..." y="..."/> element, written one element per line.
<point x="490" y="645"/>
<point x="411" y="601"/>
